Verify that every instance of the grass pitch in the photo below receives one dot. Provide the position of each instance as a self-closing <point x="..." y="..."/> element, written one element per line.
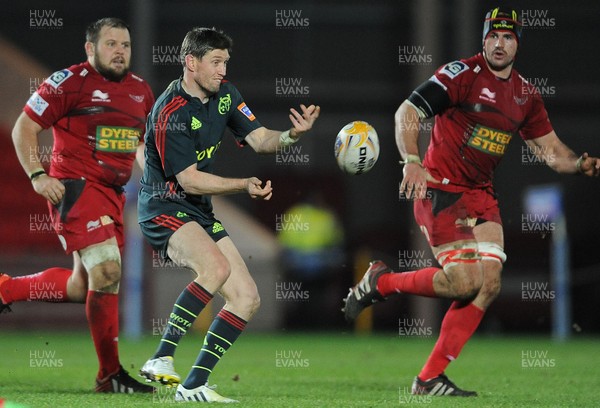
<point x="312" y="370"/>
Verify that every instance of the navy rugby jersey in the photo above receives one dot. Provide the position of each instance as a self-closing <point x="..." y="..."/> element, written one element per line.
<point x="182" y="131"/>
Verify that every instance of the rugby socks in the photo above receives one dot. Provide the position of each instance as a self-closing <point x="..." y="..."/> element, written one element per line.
<point x="458" y="326"/>
<point x="47" y="286"/>
<point x="188" y="306"/>
<point x="223" y="331"/>
<point x="417" y="283"/>
<point x="102" y="311"/>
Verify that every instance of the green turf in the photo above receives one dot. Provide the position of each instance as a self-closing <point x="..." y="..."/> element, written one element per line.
<point x="313" y="370"/>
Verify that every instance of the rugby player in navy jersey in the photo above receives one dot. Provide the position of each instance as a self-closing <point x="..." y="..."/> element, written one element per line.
<point x="184" y="133"/>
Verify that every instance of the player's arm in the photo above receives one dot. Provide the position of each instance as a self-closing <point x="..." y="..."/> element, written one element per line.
<point x="264" y="140"/>
<point x="429" y="99"/>
<point x="560" y="158"/>
<point x="25" y="138"/>
<point x="139" y="155"/>
<point x="200" y="183"/>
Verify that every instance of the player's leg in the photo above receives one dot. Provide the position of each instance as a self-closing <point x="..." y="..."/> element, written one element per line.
<point x="490" y="244"/>
<point x="49" y="285"/>
<point x="189" y="246"/>
<point x="103" y="263"/>
<point x="444" y="221"/>
<point x="77" y="284"/>
<point x="242" y="302"/>
<point x="52" y="285"/>
<point x="464" y="316"/>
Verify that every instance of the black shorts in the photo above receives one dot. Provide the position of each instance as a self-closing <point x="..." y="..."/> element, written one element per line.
<point x="158" y="230"/>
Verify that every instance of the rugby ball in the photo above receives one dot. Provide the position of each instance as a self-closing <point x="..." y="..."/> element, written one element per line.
<point x="356" y="148"/>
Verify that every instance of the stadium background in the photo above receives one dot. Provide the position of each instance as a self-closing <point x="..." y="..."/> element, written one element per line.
<point x="354" y="61"/>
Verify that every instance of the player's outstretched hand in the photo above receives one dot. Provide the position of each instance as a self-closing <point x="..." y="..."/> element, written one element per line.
<point x="590" y="166"/>
<point x="303" y="122"/>
<point x="256" y="191"/>
<point x="414" y="182"/>
<point x="49" y="187"/>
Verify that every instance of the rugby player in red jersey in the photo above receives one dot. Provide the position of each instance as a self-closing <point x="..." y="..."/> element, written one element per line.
<point x="97" y="110"/>
<point x="479" y="104"/>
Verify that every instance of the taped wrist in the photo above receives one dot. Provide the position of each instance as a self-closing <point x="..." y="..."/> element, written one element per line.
<point x="285" y="139"/>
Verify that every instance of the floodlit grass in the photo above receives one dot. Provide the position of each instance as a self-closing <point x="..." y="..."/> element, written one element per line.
<point x="312" y="370"/>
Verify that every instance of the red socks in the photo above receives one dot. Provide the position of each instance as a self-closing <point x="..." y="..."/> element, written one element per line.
<point x="48" y="286"/>
<point x="417" y="283"/>
<point x="102" y="311"/>
<point x="458" y="326"/>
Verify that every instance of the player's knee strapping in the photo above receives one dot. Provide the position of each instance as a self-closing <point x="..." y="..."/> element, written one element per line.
<point x="471" y="253"/>
<point x="490" y="251"/>
<point x="465" y="255"/>
<point x="96" y="255"/>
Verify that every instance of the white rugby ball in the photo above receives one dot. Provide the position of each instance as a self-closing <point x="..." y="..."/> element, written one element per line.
<point x="357" y="147"/>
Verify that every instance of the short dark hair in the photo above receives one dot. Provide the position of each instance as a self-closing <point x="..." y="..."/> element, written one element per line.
<point x="200" y="40"/>
<point x="92" y="33"/>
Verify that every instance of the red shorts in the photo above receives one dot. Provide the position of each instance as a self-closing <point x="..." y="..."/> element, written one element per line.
<point x="447" y="217"/>
<point x="88" y="214"/>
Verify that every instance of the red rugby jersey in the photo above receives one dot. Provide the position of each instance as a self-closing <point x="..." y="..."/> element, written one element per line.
<point x="469" y="138"/>
<point x="97" y="124"/>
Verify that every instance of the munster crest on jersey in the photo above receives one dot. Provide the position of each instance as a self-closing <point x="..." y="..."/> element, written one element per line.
<point x="224" y="104"/>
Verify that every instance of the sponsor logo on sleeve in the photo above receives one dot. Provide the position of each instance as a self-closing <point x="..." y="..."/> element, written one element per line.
<point x="58" y="78"/>
<point x="488" y="140"/>
<point x="454" y="69"/>
<point x="242" y="107"/>
<point x="117" y="139"/>
<point x="37" y="104"/>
